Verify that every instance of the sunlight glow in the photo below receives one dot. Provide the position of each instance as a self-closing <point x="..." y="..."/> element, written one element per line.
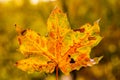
<point x="35" y="2"/>
<point x="4" y="1"/>
<point x="46" y="0"/>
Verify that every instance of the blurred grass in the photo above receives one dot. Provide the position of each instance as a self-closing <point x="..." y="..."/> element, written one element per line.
<point x="79" y="12"/>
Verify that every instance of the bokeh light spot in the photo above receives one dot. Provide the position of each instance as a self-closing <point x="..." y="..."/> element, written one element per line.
<point x="34" y="2"/>
<point x="112" y="48"/>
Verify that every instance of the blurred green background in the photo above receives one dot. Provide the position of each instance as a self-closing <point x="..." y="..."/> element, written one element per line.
<point x="34" y="13"/>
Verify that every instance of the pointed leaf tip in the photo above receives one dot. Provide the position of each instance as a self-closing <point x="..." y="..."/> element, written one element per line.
<point x="97" y="59"/>
<point x="98" y="21"/>
<point x="56" y="10"/>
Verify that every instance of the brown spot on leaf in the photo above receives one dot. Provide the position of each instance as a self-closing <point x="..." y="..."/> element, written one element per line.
<point x="49" y="62"/>
<point x="23" y="32"/>
<point x="16" y="63"/>
<point x="82" y="30"/>
<point x="72" y="60"/>
<point x="91" y="38"/>
<point x="69" y="56"/>
<point x="40" y="67"/>
<point x="39" y="34"/>
<point x="15" y="25"/>
<point x="87" y="59"/>
<point x="59" y="11"/>
<point x="19" y="40"/>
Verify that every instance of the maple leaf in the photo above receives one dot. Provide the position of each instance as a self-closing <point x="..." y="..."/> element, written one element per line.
<point x="62" y="48"/>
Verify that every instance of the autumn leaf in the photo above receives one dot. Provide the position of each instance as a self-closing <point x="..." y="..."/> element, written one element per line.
<point x="62" y="48"/>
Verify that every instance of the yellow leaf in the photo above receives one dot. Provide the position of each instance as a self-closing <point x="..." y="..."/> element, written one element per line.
<point x="63" y="47"/>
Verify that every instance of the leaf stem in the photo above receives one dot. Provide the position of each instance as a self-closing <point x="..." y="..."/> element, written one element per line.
<point x="57" y="72"/>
